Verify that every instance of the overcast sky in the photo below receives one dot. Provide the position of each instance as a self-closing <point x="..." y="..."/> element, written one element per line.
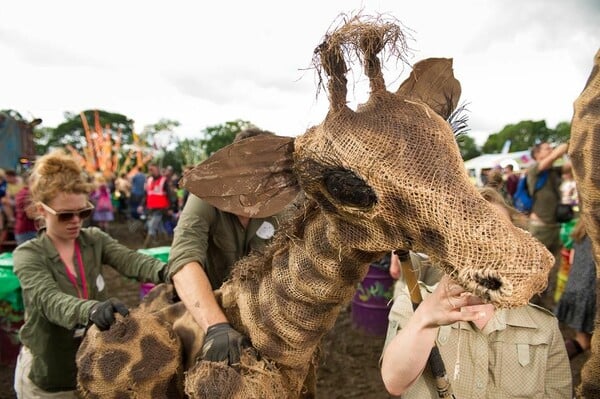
<point x="205" y="63"/>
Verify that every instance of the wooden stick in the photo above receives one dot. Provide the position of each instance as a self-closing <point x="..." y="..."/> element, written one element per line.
<point x="435" y="362"/>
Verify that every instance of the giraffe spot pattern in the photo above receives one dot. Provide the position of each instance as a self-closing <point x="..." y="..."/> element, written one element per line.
<point x="122" y="331"/>
<point x="111" y="364"/>
<point x="155" y="355"/>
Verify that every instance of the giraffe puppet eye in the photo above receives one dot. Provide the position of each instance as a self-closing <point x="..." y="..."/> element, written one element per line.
<point x="349" y="189"/>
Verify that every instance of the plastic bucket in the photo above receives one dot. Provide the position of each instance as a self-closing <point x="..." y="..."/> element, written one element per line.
<point x="160" y="253"/>
<point x="372" y="302"/>
<point x="145" y="289"/>
<point x="11" y="311"/>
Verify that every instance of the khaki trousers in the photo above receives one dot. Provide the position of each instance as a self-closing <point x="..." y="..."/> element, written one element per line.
<point x="25" y="388"/>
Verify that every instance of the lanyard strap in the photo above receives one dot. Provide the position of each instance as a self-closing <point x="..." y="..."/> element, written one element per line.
<point x="81" y="274"/>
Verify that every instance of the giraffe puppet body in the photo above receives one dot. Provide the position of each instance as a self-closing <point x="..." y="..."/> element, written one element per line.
<point x="386" y="176"/>
<point x="584" y="151"/>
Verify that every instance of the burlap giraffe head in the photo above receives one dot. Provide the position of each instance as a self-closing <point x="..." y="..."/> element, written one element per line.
<point x="388" y="175"/>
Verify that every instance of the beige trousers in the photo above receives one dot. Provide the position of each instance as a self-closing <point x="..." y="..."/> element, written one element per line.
<point x="25" y="388"/>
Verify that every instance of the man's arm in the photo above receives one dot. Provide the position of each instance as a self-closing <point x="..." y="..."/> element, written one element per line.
<point x="188" y="252"/>
<point x="556" y="153"/>
<point x="194" y="289"/>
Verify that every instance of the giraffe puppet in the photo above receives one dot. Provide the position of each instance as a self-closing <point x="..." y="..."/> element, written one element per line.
<point x="385" y="176"/>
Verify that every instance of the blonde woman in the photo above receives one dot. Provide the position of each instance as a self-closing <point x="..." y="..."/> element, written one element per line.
<point x="61" y="275"/>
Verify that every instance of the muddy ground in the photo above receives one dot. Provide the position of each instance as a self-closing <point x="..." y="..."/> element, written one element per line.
<point x="349" y="361"/>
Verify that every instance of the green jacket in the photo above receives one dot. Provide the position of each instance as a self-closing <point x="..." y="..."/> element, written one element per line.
<point x="215" y="239"/>
<point x="53" y="310"/>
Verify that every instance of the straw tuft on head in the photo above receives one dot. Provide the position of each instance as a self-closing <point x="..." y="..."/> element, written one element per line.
<point x="362" y="38"/>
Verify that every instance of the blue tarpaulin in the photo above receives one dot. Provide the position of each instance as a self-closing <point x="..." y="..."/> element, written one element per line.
<point x="10" y="142"/>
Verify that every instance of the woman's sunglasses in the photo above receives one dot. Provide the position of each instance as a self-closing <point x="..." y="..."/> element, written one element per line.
<point x="65" y="216"/>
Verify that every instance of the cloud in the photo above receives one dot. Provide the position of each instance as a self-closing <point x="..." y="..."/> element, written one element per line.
<point x="206" y="63"/>
<point x="43" y="53"/>
<point x="238" y="85"/>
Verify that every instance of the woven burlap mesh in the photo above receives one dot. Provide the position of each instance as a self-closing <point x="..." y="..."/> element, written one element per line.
<point x="406" y="153"/>
<point x="138" y="357"/>
<point x="409" y="190"/>
<point x="251" y="379"/>
<point x="584" y="151"/>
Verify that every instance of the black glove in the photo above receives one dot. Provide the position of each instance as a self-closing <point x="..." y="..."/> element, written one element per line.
<point x="102" y="314"/>
<point x="222" y="342"/>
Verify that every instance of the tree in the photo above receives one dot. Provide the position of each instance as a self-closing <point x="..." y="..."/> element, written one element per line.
<point x="71" y="132"/>
<point x="160" y="135"/>
<point x="217" y="137"/>
<point x="525" y="135"/>
<point x="41" y="138"/>
<point x="13" y="114"/>
<point x="190" y="152"/>
<point x="187" y="152"/>
<point x="161" y="139"/>
<point x="468" y="148"/>
<point x="562" y="132"/>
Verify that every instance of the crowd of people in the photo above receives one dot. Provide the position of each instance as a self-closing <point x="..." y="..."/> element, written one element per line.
<point x="153" y="198"/>
<point x="59" y="263"/>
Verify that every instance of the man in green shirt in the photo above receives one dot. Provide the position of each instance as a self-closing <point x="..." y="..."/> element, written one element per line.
<point x="206" y="244"/>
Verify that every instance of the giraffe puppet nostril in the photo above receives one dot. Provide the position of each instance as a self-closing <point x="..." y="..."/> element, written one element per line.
<point x="492" y="283"/>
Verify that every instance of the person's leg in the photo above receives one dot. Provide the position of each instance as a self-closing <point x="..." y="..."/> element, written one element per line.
<point x="573" y="348"/>
<point x="154" y="224"/>
<point x="584" y="339"/>
<point x="134" y="203"/>
<point x="21" y="370"/>
<point x="7" y="206"/>
<point x="25" y="388"/>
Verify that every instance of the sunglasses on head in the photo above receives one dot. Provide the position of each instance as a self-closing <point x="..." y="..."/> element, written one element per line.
<point x="65" y="216"/>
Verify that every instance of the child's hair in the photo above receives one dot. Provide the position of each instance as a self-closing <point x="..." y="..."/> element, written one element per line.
<point x="579" y="232"/>
<point x="54" y="173"/>
<point x="493" y="196"/>
<point x="494" y="179"/>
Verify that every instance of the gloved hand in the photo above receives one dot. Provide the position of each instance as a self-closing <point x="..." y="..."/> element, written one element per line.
<point x="102" y="314"/>
<point x="222" y="342"/>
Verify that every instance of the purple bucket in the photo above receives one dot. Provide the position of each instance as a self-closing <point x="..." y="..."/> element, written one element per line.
<point x="372" y="302"/>
<point x="145" y="288"/>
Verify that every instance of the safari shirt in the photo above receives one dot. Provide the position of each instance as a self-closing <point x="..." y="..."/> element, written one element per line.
<point x="519" y="354"/>
<point x="53" y="310"/>
<point x="215" y="239"/>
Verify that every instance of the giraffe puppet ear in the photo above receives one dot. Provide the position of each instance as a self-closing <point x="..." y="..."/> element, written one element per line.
<point x="253" y="177"/>
<point x="432" y="82"/>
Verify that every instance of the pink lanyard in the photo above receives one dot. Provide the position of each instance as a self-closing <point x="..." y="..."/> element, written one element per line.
<point x="81" y="274"/>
